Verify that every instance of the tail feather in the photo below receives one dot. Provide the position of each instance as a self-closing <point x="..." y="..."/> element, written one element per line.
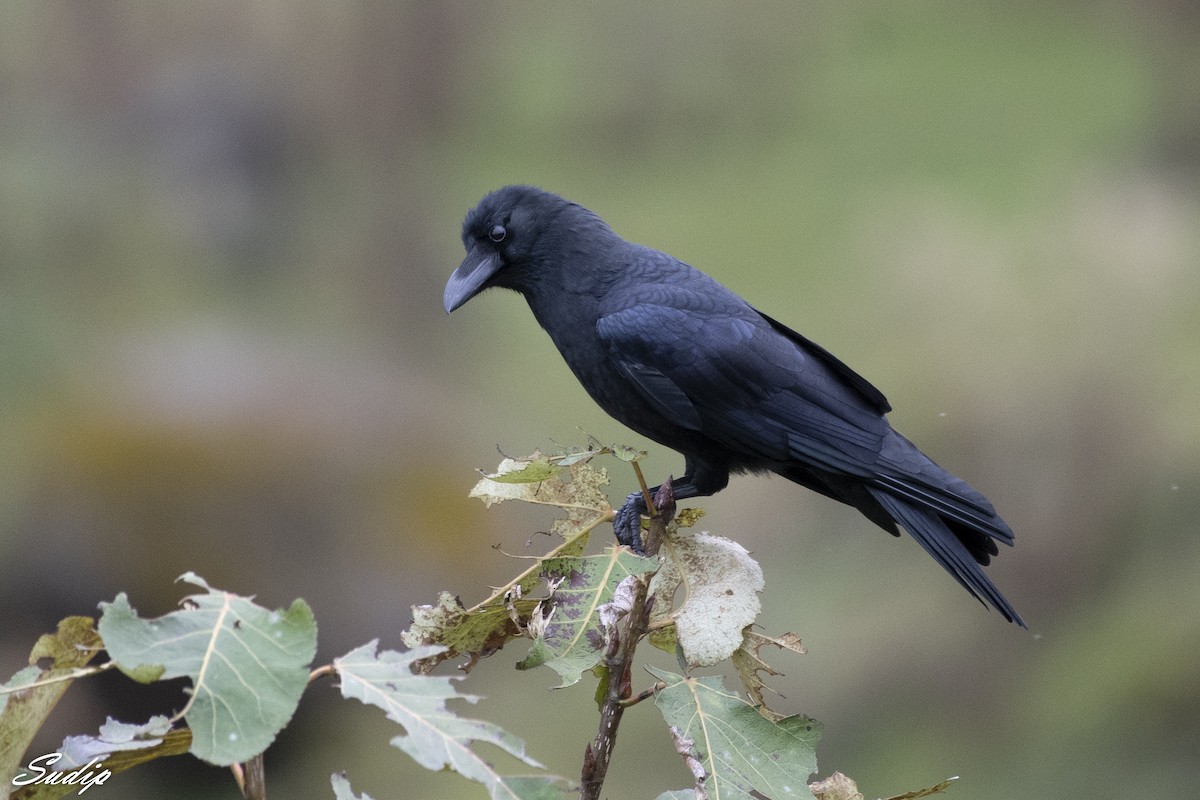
<point x="953" y="505"/>
<point x="924" y="522"/>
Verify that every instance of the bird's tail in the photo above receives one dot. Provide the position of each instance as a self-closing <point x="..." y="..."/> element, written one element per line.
<point x="959" y="532"/>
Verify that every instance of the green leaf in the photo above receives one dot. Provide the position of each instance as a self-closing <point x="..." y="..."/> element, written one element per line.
<point x="535" y="470"/>
<point x="568" y="635"/>
<point x="534" y="787"/>
<point x="456" y="630"/>
<point x="722" y="584"/>
<point x="665" y="638"/>
<point x="625" y="453"/>
<point x="22" y="713"/>
<point x="19" y="724"/>
<point x="435" y="737"/>
<point x="743" y="754"/>
<point x="248" y="666"/>
<point x="576" y="457"/>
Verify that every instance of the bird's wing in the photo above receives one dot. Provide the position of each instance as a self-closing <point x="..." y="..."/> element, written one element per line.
<point x="855" y="381"/>
<point x="714" y="364"/>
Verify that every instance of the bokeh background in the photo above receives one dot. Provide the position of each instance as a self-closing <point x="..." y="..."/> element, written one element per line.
<point x="224" y="232"/>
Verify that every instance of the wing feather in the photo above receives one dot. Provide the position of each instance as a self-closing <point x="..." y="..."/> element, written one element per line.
<point x="731" y="375"/>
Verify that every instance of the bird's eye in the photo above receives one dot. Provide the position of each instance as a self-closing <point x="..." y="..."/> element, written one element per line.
<point x="497" y="233"/>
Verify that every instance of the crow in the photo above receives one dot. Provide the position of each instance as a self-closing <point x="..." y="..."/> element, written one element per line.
<point x="682" y="360"/>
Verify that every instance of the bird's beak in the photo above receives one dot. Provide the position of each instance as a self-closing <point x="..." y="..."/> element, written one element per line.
<point x="470" y="277"/>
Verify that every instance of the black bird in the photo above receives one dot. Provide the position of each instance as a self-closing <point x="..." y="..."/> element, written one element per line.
<point x="682" y="360"/>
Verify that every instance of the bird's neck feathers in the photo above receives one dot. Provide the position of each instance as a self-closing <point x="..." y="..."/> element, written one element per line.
<point x="572" y="261"/>
<point x="566" y="300"/>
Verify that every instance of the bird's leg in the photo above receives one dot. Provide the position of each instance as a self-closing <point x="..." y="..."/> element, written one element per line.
<point x="627" y="524"/>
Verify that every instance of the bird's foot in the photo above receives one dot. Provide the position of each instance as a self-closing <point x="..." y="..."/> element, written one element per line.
<point x="627" y="524"/>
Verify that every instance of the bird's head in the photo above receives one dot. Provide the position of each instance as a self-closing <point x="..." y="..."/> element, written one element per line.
<point x="502" y="236"/>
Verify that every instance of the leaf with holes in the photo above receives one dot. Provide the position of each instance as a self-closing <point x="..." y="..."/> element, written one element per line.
<point x="578" y="489"/>
<point x="435" y="737"/>
<point x="749" y="663"/>
<point x="566" y="482"/>
<point x="56" y="659"/>
<point x="248" y="665"/>
<point x="721" y="583"/>
<point x="28" y="697"/>
<point x="743" y="754"/>
<point x="570" y="638"/>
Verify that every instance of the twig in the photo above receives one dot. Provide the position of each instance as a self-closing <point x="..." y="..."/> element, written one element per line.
<point x="645" y="694"/>
<point x="321" y="672"/>
<point x="619" y="659"/>
<point x="251" y="778"/>
<point x="651" y="506"/>
<point x="81" y="672"/>
<point x="662" y="510"/>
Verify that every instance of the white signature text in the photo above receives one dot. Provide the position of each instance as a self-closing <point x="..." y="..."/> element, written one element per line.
<point x="90" y="774"/>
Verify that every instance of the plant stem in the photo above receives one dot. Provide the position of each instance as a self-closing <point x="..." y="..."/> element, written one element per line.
<point x="651" y="507"/>
<point x="619" y="660"/>
<point x="254" y="779"/>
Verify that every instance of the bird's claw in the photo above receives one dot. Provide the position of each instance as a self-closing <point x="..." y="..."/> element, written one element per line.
<point x="627" y="524"/>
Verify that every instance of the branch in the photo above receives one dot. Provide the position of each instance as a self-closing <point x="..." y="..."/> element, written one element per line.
<point x="619" y="659"/>
<point x="251" y="778"/>
<point x="70" y="675"/>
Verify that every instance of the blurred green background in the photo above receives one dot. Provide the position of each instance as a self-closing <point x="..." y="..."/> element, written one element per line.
<point x="224" y="231"/>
